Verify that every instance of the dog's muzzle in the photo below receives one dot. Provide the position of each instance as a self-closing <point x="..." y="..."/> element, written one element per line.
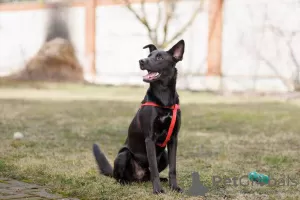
<point x="142" y="64"/>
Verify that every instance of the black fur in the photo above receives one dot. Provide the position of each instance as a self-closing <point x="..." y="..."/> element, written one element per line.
<point x="103" y="164"/>
<point x="140" y="159"/>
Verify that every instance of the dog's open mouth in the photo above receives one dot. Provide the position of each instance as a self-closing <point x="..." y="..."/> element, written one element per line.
<point x="151" y="76"/>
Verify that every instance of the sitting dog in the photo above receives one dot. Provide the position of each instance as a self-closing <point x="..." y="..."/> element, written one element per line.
<point x="155" y="126"/>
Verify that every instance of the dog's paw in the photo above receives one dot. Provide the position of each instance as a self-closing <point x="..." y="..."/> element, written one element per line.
<point x="158" y="191"/>
<point x="176" y="188"/>
<point x="123" y="182"/>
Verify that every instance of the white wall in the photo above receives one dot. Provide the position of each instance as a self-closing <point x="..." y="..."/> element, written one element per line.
<point x="248" y="42"/>
<point x="121" y="38"/>
<point x="21" y="34"/>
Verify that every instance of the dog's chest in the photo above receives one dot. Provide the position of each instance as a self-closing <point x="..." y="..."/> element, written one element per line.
<point x="165" y="119"/>
<point x="162" y="126"/>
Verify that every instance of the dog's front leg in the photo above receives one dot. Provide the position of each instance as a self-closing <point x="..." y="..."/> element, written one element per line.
<point x="151" y="154"/>
<point x="172" y="150"/>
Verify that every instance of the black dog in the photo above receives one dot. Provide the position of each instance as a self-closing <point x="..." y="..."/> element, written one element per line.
<point x="155" y="126"/>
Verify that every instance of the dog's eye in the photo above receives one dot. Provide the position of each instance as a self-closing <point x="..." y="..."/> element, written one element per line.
<point x="159" y="57"/>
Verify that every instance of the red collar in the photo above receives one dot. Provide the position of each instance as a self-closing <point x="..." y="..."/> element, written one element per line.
<point x="175" y="108"/>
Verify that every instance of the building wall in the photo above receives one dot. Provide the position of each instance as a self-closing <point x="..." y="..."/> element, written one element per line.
<point x="255" y="53"/>
<point x="121" y="38"/>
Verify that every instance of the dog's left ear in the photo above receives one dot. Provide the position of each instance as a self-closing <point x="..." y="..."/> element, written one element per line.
<point x="151" y="47"/>
<point x="177" y="50"/>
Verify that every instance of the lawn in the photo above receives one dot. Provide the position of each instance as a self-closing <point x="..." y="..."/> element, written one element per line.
<point x="220" y="136"/>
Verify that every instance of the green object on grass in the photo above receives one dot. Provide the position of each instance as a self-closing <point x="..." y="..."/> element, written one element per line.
<point x="259" y="178"/>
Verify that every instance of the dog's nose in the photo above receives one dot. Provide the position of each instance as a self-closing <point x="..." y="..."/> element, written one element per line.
<point x="142" y="62"/>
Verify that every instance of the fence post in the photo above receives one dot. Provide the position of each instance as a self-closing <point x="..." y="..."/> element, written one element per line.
<point x="90" y="36"/>
<point x="214" y="54"/>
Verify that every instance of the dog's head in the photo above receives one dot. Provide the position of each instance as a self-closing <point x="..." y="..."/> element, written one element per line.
<point x="161" y="64"/>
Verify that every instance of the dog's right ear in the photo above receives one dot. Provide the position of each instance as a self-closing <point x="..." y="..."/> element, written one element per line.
<point x="151" y="47"/>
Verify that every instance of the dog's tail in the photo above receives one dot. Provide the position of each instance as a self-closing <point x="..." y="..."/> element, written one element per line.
<point x="103" y="164"/>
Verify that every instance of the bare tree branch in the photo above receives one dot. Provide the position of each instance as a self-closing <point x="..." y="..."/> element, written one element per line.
<point x="142" y="19"/>
<point x="288" y="40"/>
<point x="293" y="58"/>
<point x="296" y="63"/>
<point x="286" y="82"/>
<point x="153" y="31"/>
<point x="143" y="7"/>
<point x="169" y="15"/>
<point x="280" y="32"/>
<point x="158" y="15"/>
<point x="187" y="25"/>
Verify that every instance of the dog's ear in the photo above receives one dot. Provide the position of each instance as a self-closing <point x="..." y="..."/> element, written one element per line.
<point x="177" y="50"/>
<point x="151" y="47"/>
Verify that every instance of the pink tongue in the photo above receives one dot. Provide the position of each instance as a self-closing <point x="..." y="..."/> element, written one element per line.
<point x="150" y="75"/>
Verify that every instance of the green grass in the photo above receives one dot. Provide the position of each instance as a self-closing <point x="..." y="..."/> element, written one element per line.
<point x="220" y="136"/>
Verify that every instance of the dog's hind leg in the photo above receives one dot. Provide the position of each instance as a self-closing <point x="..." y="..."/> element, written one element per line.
<point x="122" y="166"/>
<point x="162" y="165"/>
